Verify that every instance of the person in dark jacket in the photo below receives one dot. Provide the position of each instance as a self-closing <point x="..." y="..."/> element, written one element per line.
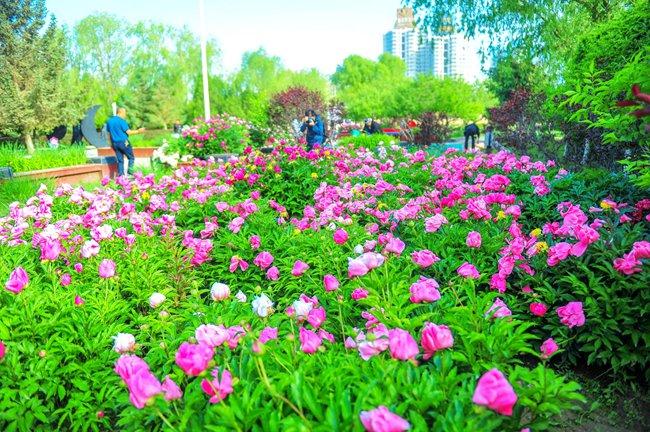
<point x="371" y="127"/>
<point x="471" y="130"/>
<point x="313" y="124"/>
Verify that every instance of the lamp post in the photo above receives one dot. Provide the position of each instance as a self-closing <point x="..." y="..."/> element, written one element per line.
<point x="204" y="61"/>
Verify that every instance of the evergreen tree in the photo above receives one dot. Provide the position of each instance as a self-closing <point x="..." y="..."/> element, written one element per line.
<point x="33" y="88"/>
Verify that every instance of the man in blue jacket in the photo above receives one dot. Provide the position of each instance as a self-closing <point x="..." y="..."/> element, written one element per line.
<point x="119" y="131"/>
<point x="313" y="124"/>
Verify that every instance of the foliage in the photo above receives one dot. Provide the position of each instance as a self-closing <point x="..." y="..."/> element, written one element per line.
<point x="510" y="73"/>
<point x="290" y="104"/>
<point x="369" y="142"/>
<point x="270" y="136"/>
<point x="20" y="160"/>
<point x="368" y="88"/>
<point x="32" y="81"/>
<point x="433" y="128"/>
<point x="521" y="125"/>
<point x="542" y="31"/>
<point x="221" y="134"/>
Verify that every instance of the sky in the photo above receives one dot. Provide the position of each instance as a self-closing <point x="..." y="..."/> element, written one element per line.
<point x="304" y="34"/>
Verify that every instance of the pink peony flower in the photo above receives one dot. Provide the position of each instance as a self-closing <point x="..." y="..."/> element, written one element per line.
<point x="473" y="239"/>
<point x="424" y="258"/>
<point x="359" y="294"/>
<point x="548" y="348"/>
<point x="78" y="267"/>
<point x="330" y="282"/>
<point x="299" y="267"/>
<point x="89" y="249"/>
<point x="356" y="267"/>
<point x="434" y="223"/>
<point x="425" y="290"/>
<point x="194" y="358"/>
<point x="66" y="279"/>
<point x="236" y="262"/>
<point x="211" y="335"/>
<point x="628" y="265"/>
<point x="309" y="341"/>
<point x="18" y="280"/>
<point x="107" y="269"/>
<point x="143" y="386"/>
<point x="435" y="338"/>
<point x="78" y="301"/>
<point x="571" y="314"/>
<point x="381" y="419"/>
<point x="402" y="345"/>
<point x="467" y="270"/>
<point x="372" y="260"/>
<point x="218" y="390"/>
<point x="495" y="392"/>
<point x="263" y="260"/>
<point x="171" y="389"/>
<point x="498" y="309"/>
<point x="269" y="333"/>
<point x="538" y="309"/>
<point x="340" y="236"/>
<point x="641" y="250"/>
<point x="255" y="242"/>
<point x="395" y="246"/>
<point x="273" y="273"/>
<point x="557" y="253"/>
<point x="2" y="350"/>
<point x="316" y="317"/>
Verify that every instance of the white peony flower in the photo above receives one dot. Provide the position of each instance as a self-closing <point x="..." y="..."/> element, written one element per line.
<point x="262" y="305"/>
<point x="219" y="291"/>
<point x="241" y="296"/>
<point x="358" y="249"/>
<point x="123" y="343"/>
<point x="156" y="299"/>
<point x="302" y="308"/>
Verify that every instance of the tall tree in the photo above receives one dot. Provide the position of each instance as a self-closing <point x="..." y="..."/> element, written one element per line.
<point x="32" y="70"/>
<point x="101" y="50"/>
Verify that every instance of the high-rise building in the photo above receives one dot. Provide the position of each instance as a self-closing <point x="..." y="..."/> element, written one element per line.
<point x="440" y="56"/>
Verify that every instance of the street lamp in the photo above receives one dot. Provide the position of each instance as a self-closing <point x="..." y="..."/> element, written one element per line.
<point x="204" y="61"/>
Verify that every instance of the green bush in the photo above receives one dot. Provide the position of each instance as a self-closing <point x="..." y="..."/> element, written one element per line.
<point x="369" y="142"/>
<point x="19" y="160"/>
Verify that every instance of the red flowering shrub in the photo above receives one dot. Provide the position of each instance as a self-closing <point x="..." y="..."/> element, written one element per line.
<point x="291" y="104"/>
<point x="434" y="128"/>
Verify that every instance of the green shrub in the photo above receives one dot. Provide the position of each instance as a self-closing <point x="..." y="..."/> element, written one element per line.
<point x="19" y="160"/>
<point x="369" y="142"/>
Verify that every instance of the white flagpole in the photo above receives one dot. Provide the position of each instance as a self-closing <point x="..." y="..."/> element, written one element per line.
<point x="204" y="61"/>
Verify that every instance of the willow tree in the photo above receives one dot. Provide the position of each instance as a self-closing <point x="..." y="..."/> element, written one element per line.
<point x="33" y="86"/>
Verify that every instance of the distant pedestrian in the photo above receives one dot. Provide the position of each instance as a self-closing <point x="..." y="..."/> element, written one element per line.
<point x="489" y="130"/>
<point x="371" y="127"/>
<point x="313" y="124"/>
<point x="471" y="130"/>
<point x="119" y="131"/>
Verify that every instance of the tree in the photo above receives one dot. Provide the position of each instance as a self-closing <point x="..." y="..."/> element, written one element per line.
<point x="32" y="70"/>
<point x="100" y="50"/>
<point x="291" y="104"/>
<point x="541" y="30"/>
<point x="368" y="88"/>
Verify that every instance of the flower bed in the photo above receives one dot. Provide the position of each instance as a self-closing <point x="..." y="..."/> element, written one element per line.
<point x="220" y="134"/>
<point x="333" y="290"/>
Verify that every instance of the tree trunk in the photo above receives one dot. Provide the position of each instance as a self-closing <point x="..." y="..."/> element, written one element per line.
<point x="27" y="137"/>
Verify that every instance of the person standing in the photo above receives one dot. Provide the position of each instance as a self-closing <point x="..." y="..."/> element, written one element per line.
<point x="371" y="127"/>
<point x="489" y="130"/>
<point x="471" y="130"/>
<point x="313" y="124"/>
<point x="119" y="131"/>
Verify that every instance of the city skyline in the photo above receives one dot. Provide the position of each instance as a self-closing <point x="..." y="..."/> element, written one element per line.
<point x="441" y="56"/>
<point x="282" y="27"/>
